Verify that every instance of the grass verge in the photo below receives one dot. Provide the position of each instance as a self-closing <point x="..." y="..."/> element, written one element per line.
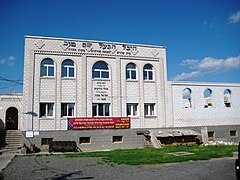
<point x="160" y="156"/>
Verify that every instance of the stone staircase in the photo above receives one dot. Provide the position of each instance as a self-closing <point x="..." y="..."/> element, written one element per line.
<point x="14" y="140"/>
<point x="151" y="140"/>
<point x="155" y="142"/>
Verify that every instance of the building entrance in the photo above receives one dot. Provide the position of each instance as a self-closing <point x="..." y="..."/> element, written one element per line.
<point x="12" y="118"/>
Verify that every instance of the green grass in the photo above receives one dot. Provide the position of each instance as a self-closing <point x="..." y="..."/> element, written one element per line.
<point x="160" y="156"/>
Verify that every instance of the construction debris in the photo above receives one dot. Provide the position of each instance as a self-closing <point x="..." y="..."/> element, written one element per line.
<point x="219" y="143"/>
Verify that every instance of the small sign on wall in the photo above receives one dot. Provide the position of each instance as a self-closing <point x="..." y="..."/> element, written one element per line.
<point x="29" y="134"/>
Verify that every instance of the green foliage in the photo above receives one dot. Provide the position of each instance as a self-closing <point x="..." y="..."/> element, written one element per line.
<point x="159" y="156"/>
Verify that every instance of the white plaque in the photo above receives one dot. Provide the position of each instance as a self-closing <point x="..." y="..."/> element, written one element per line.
<point x="29" y="134"/>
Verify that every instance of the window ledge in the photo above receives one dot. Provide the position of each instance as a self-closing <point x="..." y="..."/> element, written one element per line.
<point x="131" y="80"/>
<point x="101" y="79"/>
<point x="134" y="117"/>
<point x="46" y="118"/>
<point x="151" y="116"/>
<point x="47" y="77"/>
<point x="149" y="81"/>
<point x="66" y="117"/>
<point x="68" y="78"/>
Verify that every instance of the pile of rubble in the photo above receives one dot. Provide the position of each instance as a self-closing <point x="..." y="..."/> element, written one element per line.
<point x="217" y="143"/>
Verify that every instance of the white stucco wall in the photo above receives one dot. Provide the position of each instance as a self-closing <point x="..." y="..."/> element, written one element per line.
<point x="218" y="114"/>
<point x="7" y="101"/>
<point x="80" y="90"/>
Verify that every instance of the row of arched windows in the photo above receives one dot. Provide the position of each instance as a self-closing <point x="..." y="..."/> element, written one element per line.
<point x="99" y="70"/>
<point x="208" y="101"/>
<point x="47" y="68"/>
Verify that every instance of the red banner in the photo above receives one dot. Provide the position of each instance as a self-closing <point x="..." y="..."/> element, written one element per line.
<point x="98" y="123"/>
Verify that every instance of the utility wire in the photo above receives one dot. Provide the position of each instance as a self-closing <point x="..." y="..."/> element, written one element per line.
<point x="20" y="82"/>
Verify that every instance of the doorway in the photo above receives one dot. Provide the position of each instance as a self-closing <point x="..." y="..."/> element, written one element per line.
<point x="12" y="118"/>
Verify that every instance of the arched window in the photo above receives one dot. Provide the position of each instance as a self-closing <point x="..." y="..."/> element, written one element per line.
<point x="208" y="98"/>
<point x="227" y="98"/>
<point x="100" y="70"/>
<point x="68" y="68"/>
<point x="131" y="71"/>
<point x="47" y="68"/>
<point x="187" y="99"/>
<point x="148" y="72"/>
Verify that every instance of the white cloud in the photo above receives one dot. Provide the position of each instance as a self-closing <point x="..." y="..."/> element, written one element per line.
<point x="207" y="65"/>
<point x="10" y="61"/>
<point x="184" y="75"/>
<point x="234" y="18"/>
<point x="11" y="58"/>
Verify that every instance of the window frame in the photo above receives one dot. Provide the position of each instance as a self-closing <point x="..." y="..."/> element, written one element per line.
<point x="233" y="133"/>
<point x="129" y="72"/>
<point x="133" y="109"/>
<point x="208" y="104"/>
<point x="117" y="139"/>
<point x="47" y="66"/>
<point x="46" y="110"/>
<point x="68" y="67"/>
<point x="101" y="71"/>
<point x="211" y="134"/>
<point x="227" y="104"/>
<point x="187" y="99"/>
<point x="150" y="108"/>
<point x="98" y="109"/>
<point x="85" y="140"/>
<point x="148" y="72"/>
<point x="67" y="110"/>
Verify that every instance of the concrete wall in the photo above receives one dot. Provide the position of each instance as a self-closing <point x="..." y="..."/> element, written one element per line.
<point x="197" y="115"/>
<point x="103" y="139"/>
<point x="100" y="139"/>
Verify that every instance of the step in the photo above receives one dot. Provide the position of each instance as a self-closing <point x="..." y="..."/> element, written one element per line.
<point x="13" y="139"/>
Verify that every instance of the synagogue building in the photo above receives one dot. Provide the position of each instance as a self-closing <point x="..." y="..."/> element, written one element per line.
<point x="105" y="95"/>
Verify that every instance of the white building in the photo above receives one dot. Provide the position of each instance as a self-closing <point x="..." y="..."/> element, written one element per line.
<point x="81" y="78"/>
<point x="65" y="77"/>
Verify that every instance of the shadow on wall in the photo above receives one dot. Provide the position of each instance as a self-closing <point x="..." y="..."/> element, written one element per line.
<point x="2" y="134"/>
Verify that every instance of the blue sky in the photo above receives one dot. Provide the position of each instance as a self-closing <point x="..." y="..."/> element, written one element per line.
<point x="202" y="37"/>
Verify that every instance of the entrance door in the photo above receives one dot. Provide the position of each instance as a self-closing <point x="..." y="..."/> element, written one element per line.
<point x="12" y="119"/>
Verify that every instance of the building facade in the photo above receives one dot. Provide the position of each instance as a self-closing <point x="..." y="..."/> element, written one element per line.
<point x="74" y="78"/>
<point x="66" y="78"/>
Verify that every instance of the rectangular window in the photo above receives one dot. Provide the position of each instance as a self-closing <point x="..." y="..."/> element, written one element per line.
<point x="67" y="109"/>
<point x="71" y="72"/>
<point x="84" y="140"/>
<point x="117" y="139"/>
<point x="233" y="133"/>
<point x="46" y="109"/>
<point x="132" y="109"/>
<point x="145" y="77"/>
<point x="211" y="134"/>
<point x="149" y="109"/>
<point x="43" y="71"/>
<point x="101" y="109"/>
<point x="105" y="74"/>
<point x="50" y="70"/>
<point x="46" y="141"/>
<point x="96" y="74"/>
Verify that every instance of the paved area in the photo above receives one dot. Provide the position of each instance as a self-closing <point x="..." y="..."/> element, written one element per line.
<point x="58" y="167"/>
<point x="5" y="159"/>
